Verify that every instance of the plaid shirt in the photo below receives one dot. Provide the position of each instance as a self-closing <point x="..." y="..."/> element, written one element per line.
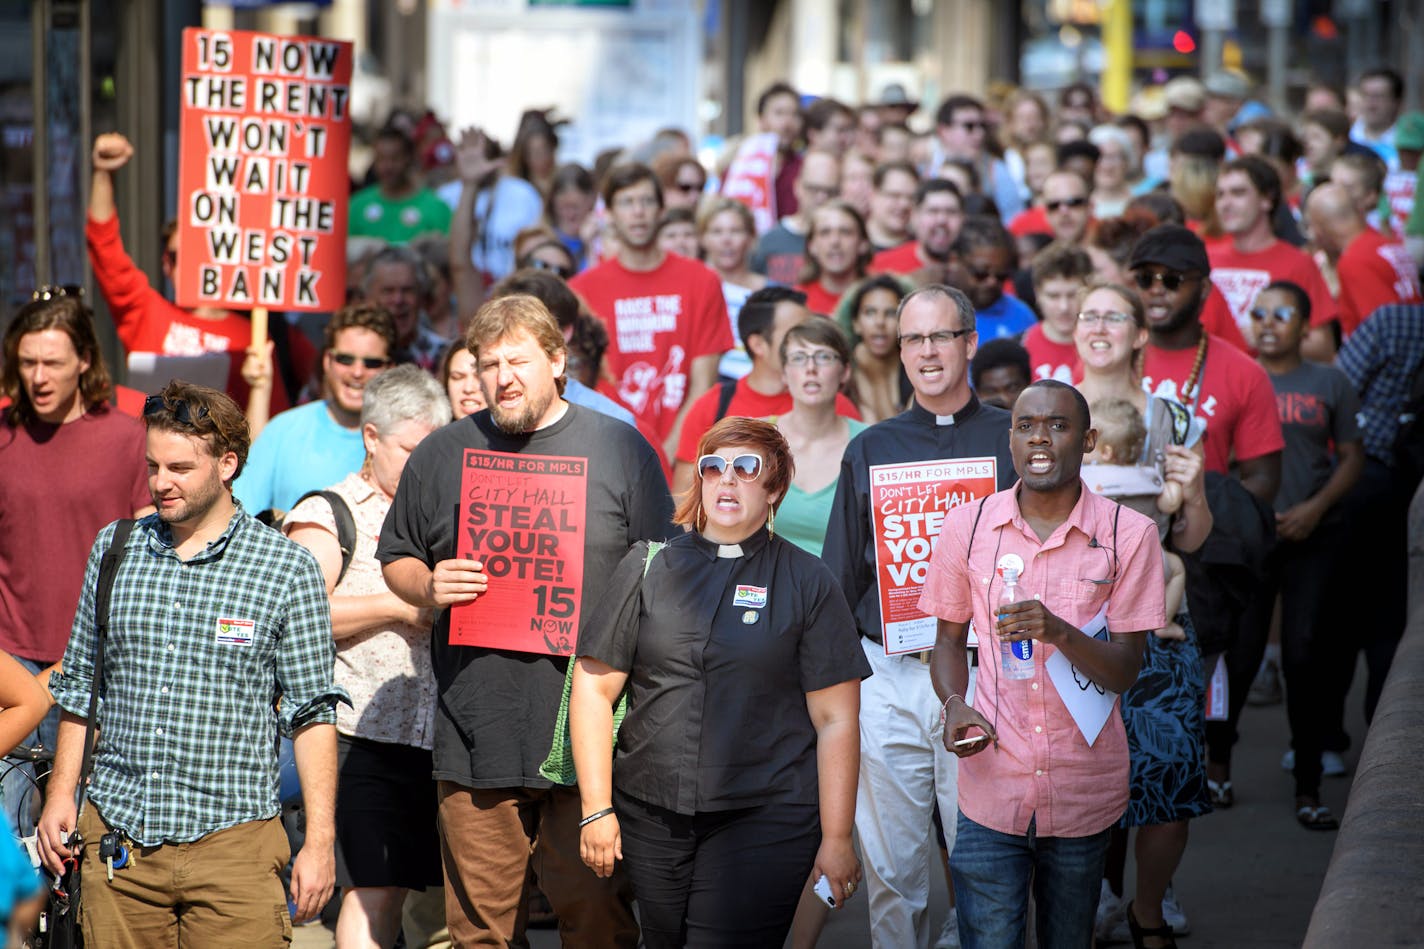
<point x="1381" y="358"/>
<point x="198" y="654"/>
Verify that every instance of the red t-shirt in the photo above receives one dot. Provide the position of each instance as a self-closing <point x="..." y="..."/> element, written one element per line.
<point x="1032" y="220"/>
<point x="1050" y="360"/>
<point x="59" y="486"/>
<point x="819" y="300"/>
<point x="746" y="402"/>
<point x="147" y="322"/>
<point x="1236" y="402"/>
<point x="659" y="321"/>
<point x="1239" y="277"/>
<point x="901" y="259"/>
<point x="1374" y="271"/>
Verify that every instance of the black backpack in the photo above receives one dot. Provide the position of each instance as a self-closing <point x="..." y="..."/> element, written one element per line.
<point x="345" y="525"/>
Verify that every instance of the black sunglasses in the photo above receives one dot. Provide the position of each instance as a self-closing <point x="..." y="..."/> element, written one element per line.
<point x="1169" y="279"/>
<point x="1065" y="203"/>
<point x="182" y="412"/>
<point x="370" y="362"/>
<point x="984" y="273"/>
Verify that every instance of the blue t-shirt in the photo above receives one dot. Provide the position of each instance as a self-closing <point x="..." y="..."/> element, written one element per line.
<point x="1008" y="317"/>
<point x="580" y="394"/>
<point x="300" y="450"/>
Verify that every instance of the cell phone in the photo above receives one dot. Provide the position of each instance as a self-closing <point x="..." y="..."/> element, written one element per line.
<point x="971" y="741"/>
<point x="822" y="889"/>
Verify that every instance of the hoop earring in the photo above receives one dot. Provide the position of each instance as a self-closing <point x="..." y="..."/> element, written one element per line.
<point x="701" y="518"/>
<point x="771" y="521"/>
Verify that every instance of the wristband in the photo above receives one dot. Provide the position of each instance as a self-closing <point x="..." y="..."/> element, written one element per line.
<point x="596" y="815"/>
<point x="944" y="709"/>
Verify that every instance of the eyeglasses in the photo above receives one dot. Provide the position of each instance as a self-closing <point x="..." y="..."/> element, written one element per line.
<point x="1169" y="279"/>
<point x="981" y="274"/>
<point x="1065" y="203"/>
<point x="350" y="359"/>
<point x="689" y="187"/>
<point x="1103" y="318"/>
<point x="1281" y="314"/>
<point x="746" y="467"/>
<point x="938" y="338"/>
<point x="56" y="291"/>
<point x="636" y="201"/>
<point x="182" y="412"/>
<point x="821" y="358"/>
<point x="824" y="192"/>
<point x="563" y="272"/>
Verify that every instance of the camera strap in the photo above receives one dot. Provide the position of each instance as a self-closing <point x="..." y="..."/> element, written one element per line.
<point x="108" y="570"/>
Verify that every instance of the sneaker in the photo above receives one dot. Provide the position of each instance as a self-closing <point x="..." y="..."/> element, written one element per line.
<point x="949" y="933"/>
<point x="1172" y="914"/>
<point x="1111" y="924"/>
<point x="1266" y="687"/>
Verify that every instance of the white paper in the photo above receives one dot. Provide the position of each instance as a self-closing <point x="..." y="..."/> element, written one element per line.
<point x="1087" y="702"/>
<point x="1218" y="692"/>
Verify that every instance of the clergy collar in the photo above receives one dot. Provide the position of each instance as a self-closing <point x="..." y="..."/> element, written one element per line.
<point x="749" y="545"/>
<point x="923" y="414"/>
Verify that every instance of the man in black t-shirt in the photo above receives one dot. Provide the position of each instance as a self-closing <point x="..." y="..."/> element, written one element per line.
<point x="498" y="701"/>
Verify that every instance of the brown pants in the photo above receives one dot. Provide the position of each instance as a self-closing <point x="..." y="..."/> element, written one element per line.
<point x="490" y="839"/>
<point x="224" y="889"/>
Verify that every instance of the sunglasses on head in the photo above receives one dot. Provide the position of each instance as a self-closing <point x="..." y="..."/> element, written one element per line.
<point x="1169" y="279"/>
<point x="1281" y="314"/>
<point x="746" y="466"/>
<point x="182" y="412"/>
<point x="563" y="273"/>
<point x="1065" y="203"/>
<point x="350" y="359"/>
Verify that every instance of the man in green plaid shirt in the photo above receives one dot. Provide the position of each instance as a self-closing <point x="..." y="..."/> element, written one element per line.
<point x="219" y="638"/>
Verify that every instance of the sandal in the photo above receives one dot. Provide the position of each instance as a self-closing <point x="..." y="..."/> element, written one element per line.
<point x="1316" y="817"/>
<point x="1221" y="794"/>
<point x="1140" y="932"/>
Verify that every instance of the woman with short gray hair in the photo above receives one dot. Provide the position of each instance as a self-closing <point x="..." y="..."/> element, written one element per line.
<point x="386" y="841"/>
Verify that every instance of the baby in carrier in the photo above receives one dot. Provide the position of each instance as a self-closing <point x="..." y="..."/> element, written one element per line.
<point x="1118" y="469"/>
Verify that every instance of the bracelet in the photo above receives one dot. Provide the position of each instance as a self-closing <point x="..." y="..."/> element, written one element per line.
<point x="596" y="815"/>
<point x="944" y="709"/>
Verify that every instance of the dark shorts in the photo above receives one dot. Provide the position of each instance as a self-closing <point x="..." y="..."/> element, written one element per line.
<point x="385" y="816"/>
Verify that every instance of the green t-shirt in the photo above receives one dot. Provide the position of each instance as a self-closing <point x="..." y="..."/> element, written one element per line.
<point x="397" y="222"/>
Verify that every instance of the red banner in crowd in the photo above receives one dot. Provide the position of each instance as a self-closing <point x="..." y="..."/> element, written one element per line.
<point x="522" y="516"/>
<point x="908" y="505"/>
<point x="262" y="179"/>
<point x="751" y="178"/>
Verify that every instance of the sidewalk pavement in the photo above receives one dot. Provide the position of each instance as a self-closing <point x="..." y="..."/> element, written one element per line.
<point x="1250" y="876"/>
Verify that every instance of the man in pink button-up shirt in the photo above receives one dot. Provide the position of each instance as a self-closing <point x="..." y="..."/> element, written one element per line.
<point x="1035" y="794"/>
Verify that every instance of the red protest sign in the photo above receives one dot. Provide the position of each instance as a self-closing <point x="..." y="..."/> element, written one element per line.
<point x="522" y="516"/>
<point x="908" y="505"/>
<point x="262" y="181"/>
<point x="751" y="178"/>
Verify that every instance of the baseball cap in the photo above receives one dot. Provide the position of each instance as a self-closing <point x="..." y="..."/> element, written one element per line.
<point x="1409" y="131"/>
<point x="1172" y="246"/>
<point x="1184" y="93"/>
<point x="895" y="94"/>
<point x="1227" y="85"/>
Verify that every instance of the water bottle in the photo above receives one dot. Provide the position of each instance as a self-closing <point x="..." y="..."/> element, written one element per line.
<point x="1015" y="656"/>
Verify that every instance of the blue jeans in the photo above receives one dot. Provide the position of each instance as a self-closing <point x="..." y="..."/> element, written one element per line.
<point x="992" y="873"/>
<point x="17" y="788"/>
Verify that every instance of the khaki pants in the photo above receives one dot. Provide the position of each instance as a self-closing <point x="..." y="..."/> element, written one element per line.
<point x="224" y="889"/>
<point x="491" y="838"/>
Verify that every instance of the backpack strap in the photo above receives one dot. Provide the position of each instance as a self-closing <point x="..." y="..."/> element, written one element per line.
<point x="108" y="570"/>
<point x="724" y="398"/>
<point x="345" y="527"/>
